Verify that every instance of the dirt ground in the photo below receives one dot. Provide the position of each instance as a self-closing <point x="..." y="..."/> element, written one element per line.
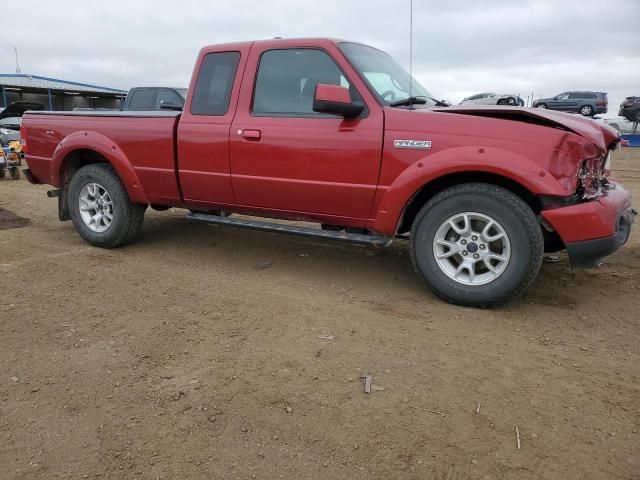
<point x="195" y="353"/>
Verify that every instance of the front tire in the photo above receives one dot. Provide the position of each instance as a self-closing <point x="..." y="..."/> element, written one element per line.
<point x="100" y="208"/>
<point x="541" y="105"/>
<point x="477" y="245"/>
<point x="14" y="172"/>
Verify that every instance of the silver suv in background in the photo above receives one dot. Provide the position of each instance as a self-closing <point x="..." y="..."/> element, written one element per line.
<point x="584" y="103"/>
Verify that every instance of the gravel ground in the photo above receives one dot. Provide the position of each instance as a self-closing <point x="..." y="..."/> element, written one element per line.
<point x="204" y="352"/>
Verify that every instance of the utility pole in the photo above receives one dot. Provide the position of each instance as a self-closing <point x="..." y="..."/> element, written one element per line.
<point x="15" y="49"/>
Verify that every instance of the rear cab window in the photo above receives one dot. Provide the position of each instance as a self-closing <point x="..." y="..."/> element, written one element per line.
<point x="212" y="92"/>
<point x="166" y="95"/>
<point x="142" y="99"/>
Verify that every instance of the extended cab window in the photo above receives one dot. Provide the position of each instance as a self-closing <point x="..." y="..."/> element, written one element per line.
<point x="286" y="81"/>
<point x="142" y="99"/>
<point x="215" y="80"/>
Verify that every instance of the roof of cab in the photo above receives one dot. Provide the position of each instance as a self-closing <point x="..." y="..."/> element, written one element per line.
<point x="272" y="42"/>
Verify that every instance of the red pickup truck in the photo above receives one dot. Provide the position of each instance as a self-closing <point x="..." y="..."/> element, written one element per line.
<point x="338" y="133"/>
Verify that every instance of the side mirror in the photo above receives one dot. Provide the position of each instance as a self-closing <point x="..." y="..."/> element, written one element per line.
<point x="335" y="100"/>
<point x="170" y="106"/>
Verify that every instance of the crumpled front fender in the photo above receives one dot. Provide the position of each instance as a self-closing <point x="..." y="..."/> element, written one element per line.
<point x="468" y="159"/>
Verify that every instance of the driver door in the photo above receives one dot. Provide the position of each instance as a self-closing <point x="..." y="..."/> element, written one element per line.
<point x="286" y="157"/>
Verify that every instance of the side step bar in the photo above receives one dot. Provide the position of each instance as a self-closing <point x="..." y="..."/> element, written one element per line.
<point x="359" y="238"/>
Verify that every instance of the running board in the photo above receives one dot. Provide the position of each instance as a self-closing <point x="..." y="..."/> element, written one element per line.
<point x="375" y="240"/>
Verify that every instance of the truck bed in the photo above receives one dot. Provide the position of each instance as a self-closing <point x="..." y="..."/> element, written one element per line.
<point x="146" y="140"/>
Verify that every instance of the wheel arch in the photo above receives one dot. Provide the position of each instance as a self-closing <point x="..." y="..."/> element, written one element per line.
<point x="437" y="185"/>
<point x="83" y="148"/>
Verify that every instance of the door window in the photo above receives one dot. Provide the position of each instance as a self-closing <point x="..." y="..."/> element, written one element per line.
<point x="212" y="93"/>
<point x="286" y="82"/>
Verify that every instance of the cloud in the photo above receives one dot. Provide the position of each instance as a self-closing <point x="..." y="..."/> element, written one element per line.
<point x="460" y="48"/>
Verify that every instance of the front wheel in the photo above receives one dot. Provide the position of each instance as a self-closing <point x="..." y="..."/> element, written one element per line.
<point x="15" y="173"/>
<point x="477" y="245"/>
<point x="541" y="105"/>
<point x="100" y="208"/>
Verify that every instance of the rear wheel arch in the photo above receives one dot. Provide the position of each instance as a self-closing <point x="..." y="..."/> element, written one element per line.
<point x="83" y="148"/>
<point x="75" y="159"/>
<point x="435" y="186"/>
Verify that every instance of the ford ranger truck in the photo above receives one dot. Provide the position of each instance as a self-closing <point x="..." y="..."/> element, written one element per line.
<point x="338" y="133"/>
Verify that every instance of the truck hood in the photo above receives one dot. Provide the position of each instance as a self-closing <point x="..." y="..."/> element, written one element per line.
<point x="601" y="135"/>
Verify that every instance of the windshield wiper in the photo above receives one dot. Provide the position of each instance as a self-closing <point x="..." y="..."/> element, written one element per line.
<point x="419" y="100"/>
<point x="405" y="102"/>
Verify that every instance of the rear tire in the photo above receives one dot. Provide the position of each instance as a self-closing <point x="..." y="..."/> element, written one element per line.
<point x="586" y="110"/>
<point x="15" y="173"/>
<point x="2" y="172"/>
<point x="100" y="208"/>
<point x="541" y="105"/>
<point x="473" y="275"/>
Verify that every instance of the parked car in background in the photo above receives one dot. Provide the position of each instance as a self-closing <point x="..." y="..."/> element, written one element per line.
<point x="493" y="99"/>
<point x="630" y="109"/>
<point x="10" y="119"/>
<point x="146" y="99"/>
<point x="621" y="124"/>
<point x="584" y="103"/>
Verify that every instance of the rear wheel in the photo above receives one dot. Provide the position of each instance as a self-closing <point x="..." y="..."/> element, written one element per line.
<point x="477" y="245"/>
<point x="15" y="173"/>
<point x="100" y="208"/>
<point x="586" y="110"/>
<point x="541" y="105"/>
<point x="2" y="172"/>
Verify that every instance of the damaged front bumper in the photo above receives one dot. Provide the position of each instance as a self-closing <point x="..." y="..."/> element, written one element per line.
<point x="593" y="229"/>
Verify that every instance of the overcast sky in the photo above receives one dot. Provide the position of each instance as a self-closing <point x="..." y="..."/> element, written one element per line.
<point x="460" y="47"/>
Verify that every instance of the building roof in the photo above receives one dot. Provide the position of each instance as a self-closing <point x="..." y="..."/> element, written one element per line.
<point x="23" y="80"/>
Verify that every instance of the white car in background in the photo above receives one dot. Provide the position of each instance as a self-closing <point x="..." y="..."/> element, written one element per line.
<point x="619" y="123"/>
<point x="488" y="98"/>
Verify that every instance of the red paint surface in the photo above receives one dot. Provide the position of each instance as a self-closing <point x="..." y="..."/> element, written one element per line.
<point x="589" y="220"/>
<point x="332" y="93"/>
<point x="332" y="170"/>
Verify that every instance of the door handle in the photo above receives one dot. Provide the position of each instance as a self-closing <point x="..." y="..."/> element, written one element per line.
<point x="251" y="134"/>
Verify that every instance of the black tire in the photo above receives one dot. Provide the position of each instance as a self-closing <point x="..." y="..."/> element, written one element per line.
<point x="541" y="105"/>
<point x="502" y="101"/>
<point x="15" y="173"/>
<point x="586" y="111"/>
<point x="2" y="172"/>
<point x="127" y="217"/>
<point x="511" y="212"/>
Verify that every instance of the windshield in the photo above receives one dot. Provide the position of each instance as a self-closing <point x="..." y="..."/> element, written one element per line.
<point x="385" y="76"/>
<point x="182" y="92"/>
